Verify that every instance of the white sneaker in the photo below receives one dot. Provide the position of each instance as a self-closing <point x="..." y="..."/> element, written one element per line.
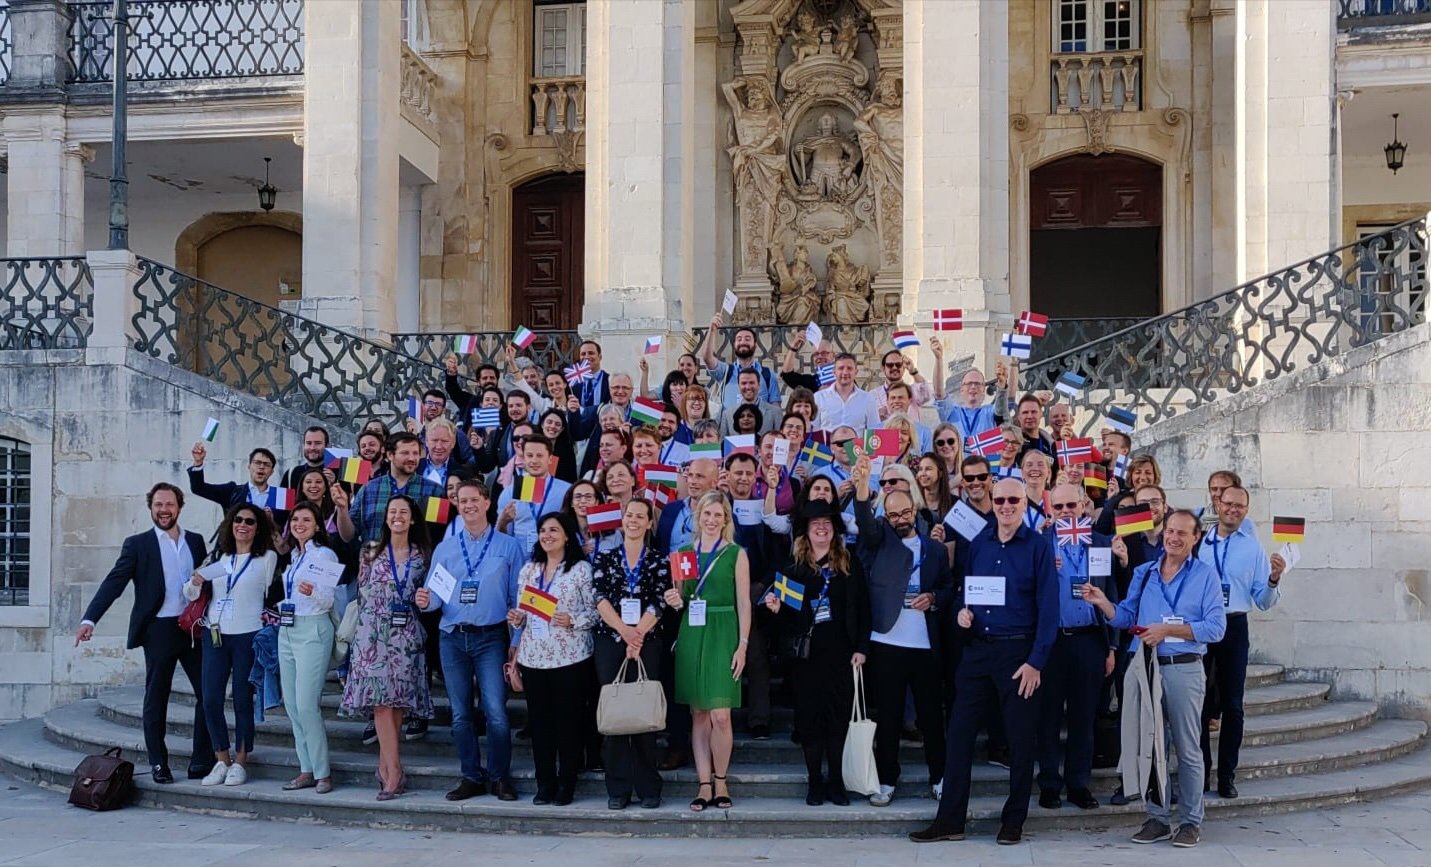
<point x="882" y="797"/>
<point x="236" y="776"/>
<point x="939" y="790"/>
<point x="216" y="776"/>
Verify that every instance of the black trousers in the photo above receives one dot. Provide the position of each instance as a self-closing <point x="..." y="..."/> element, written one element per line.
<point x="630" y="759"/>
<point x="556" y="717"/>
<point x="166" y="648"/>
<point x="1068" y="693"/>
<point x="893" y="670"/>
<point x="1226" y="665"/>
<point x="757" y="675"/>
<point x="985" y="684"/>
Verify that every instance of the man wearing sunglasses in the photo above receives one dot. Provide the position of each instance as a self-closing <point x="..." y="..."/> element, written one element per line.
<point x="1010" y="614"/>
<point x="894" y="365"/>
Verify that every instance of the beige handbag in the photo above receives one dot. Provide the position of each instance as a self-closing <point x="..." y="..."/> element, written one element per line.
<point x="634" y="708"/>
<point x="343" y="631"/>
<point x="857" y="765"/>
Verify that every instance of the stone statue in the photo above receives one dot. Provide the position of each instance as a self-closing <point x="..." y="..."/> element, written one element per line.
<point x="880" y="128"/>
<point x="847" y="38"/>
<point x="758" y="153"/>
<point x="799" y="299"/>
<point x="847" y="288"/>
<point x="806" y="36"/>
<point x="825" y="161"/>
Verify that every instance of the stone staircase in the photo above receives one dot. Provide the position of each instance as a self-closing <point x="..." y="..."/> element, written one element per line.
<point x="1302" y="751"/>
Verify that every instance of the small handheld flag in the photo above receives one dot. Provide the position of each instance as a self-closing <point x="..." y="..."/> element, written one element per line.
<point x="825" y="373"/>
<point x="728" y="305"/>
<point x="523" y="337"/>
<point x="697" y="451"/>
<point x="987" y="443"/>
<point x="1120" y="466"/>
<point x="1074" y="451"/>
<point x="683" y="565"/>
<point x="1016" y="346"/>
<point x="659" y="495"/>
<point x="465" y="344"/>
<point x="646" y="411"/>
<point x="949" y="319"/>
<point x="605" y="517"/>
<point x="355" y="471"/>
<point x="653" y="345"/>
<point x="1120" y="419"/>
<point x="788" y="592"/>
<point x="1070" y="384"/>
<point x="437" y="510"/>
<point x="211" y="430"/>
<point x="1073" y="531"/>
<point x="537" y="602"/>
<point x="282" y="499"/>
<point x="531" y="489"/>
<point x="487" y="417"/>
<point x="1032" y="324"/>
<point x="658" y="475"/>
<point x="1292" y="530"/>
<point x="414" y="409"/>
<point x="333" y="458"/>
<point x="1095" y="476"/>
<point x="740" y="443"/>
<point x="1133" y="519"/>
<point x="813" y="334"/>
<point x="817" y="454"/>
<point x="882" y="443"/>
<point x="578" y="373"/>
<point x="904" y="339"/>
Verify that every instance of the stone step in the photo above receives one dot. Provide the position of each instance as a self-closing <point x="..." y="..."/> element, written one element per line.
<point x="1264" y="674"/>
<point x="772" y="772"/>
<point x="26" y="753"/>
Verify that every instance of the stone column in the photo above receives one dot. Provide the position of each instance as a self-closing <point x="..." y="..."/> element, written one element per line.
<point x="639" y="164"/>
<point x="114" y="272"/>
<point x="352" y="55"/>
<point x="77" y="156"/>
<point x="39" y="34"/>
<point x="956" y="172"/>
<point x="43" y="206"/>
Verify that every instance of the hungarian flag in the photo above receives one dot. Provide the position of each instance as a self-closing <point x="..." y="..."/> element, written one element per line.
<point x="282" y="499"/>
<point x="355" y="471"/>
<point x="987" y="443"/>
<point x="1095" y="476"/>
<point x="1074" y="451"/>
<point x="333" y="458"/>
<point x="437" y="510"/>
<point x="1133" y="519"/>
<point x="531" y="489"/>
<point x="523" y="337"/>
<point x="599" y="519"/>
<point x="646" y="411"/>
<point x="658" y="476"/>
<point x="740" y="444"/>
<point x="905" y="338"/>
<point x="949" y="319"/>
<point x="789" y="592"/>
<point x="1073" y="531"/>
<point x="1032" y="324"/>
<point x="538" y="602"/>
<point x="684" y="565"/>
<point x="703" y="450"/>
<point x="882" y="443"/>
<point x="1292" y="530"/>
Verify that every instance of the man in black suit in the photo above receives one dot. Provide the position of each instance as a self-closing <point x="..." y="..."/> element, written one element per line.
<point x="159" y="562"/>
<point x="261" y="464"/>
<point x="315" y="443"/>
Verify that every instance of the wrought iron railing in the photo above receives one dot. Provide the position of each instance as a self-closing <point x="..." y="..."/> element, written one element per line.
<point x="865" y="342"/>
<point x="1066" y="334"/>
<point x="1270" y="327"/>
<point x="267" y="352"/>
<point x="551" y="349"/>
<point x="46" y="303"/>
<point x="1362" y="9"/>
<point x="7" y="42"/>
<point x="190" y="39"/>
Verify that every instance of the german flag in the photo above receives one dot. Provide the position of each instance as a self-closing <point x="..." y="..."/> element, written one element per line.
<point x="1095" y="476"/>
<point x="1292" y="530"/>
<point x="437" y="510"/>
<point x="1133" y="519"/>
<point x="538" y="602"/>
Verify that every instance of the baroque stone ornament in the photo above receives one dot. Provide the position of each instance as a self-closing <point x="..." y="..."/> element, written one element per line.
<point x="758" y="158"/>
<point x="797" y="295"/>
<point x="825" y="162"/>
<point x="847" y="291"/>
<point x="1095" y="121"/>
<point x="880" y="128"/>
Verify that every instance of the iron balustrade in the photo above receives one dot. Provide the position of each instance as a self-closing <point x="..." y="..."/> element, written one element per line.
<point x="1270" y="327"/>
<point x="47" y="303"/>
<point x="173" y="40"/>
<point x="551" y="350"/>
<point x="1066" y="334"/>
<point x="865" y="342"/>
<point x="1374" y="9"/>
<point x="286" y="359"/>
<point x="7" y="42"/>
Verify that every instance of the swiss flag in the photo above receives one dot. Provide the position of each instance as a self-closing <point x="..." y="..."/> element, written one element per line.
<point x="683" y="565"/>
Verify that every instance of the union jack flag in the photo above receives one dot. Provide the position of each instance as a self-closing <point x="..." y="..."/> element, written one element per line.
<point x="578" y="373"/>
<point x="1074" y="531"/>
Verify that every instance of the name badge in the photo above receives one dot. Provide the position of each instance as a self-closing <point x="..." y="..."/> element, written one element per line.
<point x="822" y="612"/>
<point x="1173" y="620"/>
<point x="225" y="607"/>
<point x="538" y="627"/>
<point x="1227" y="596"/>
<point x="467" y="595"/>
<point x="1077" y="587"/>
<point x="984" y="590"/>
<point x="698" y="613"/>
<point x="630" y="611"/>
<point x="400" y="614"/>
<point x="287" y="614"/>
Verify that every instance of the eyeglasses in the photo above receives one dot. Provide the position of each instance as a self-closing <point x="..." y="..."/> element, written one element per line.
<point x="1060" y="506"/>
<point x="946" y="442"/>
<point x="584" y="495"/>
<point x="265" y="465"/>
<point x="889" y="483"/>
<point x="435" y="403"/>
<point x="976" y="477"/>
<point x="906" y="515"/>
<point x="519" y="438"/>
<point x="894" y="365"/>
<point x="246" y="521"/>
<point x="1006" y="501"/>
<point x="1153" y="502"/>
<point x="842" y="443"/>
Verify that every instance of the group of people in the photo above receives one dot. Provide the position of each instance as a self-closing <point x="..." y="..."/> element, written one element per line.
<point x="974" y="591"/>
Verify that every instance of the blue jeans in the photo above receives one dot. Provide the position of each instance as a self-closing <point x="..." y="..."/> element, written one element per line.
<point x="231" y="659"/>
<point x="469" y="657"/>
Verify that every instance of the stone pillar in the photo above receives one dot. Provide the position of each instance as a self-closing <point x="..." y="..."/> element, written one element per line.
<point x="639" y="149"/>
<point x="956" y="172"/>
<point x="39" y="34"/>
<point x="77" y="156"/>
<point x="37" y="185"/>
<point x="407" y="285"/>
<point x="114" y="272"/>
<point x="352" y="55"/>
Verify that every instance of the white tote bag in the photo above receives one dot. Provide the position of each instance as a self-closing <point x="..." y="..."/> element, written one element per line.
<point x="858" y="764"/>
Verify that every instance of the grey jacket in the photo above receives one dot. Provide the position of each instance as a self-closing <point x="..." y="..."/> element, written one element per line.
<point x="1144" y="750"/>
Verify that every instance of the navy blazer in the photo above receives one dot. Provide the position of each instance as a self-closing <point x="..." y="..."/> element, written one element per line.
<point x="887" y="563"/>
<point x="140" y="563"/>
<point x="227" y="494"/>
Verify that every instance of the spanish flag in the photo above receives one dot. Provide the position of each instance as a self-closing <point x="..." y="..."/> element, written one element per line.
<point x="531" y="489"/>
<point x="790" y="592"/>
<point x="1292" y="530"/>
<point x="538" y="602"/>
<point x="437" y="510"/>
<point x="1133" y="519"/>
<point x="355" y="471"/>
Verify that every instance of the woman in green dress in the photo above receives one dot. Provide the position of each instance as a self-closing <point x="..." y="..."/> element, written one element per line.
<point x="710" y="648"/>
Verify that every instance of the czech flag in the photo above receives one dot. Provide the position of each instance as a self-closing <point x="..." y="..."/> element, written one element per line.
<point x="333" y="458"/>
<point x="523" y="337"/>
<point x="1133" y="519"/>
<point x="538" y="602"/>
<point x="1032" y="324"/>
<point x="653" y="345"/>
<point x="1073" y="531"/>
<point x="740" y="443"/>
<point x="355" y="471"/>
<point x="646" y="411"/>
<point x="531" y="489"/>
<point x="905" y="338"/>
<point x="437" y="510"/>
<point x="949" y="319"/>
<point x="1292" y="530"/>
<point x="683" y="565"/>
<point x="789" y="592"/>
<point x="987" y="443"/>
<point x="605" y="517"/>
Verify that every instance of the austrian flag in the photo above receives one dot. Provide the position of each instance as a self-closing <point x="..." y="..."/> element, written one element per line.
<point x="599" y="519"/>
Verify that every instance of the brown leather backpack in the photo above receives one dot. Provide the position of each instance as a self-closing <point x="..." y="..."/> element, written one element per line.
<point x="103" y="782"/>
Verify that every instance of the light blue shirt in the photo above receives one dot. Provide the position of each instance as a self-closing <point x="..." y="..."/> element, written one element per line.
<point x="684" y="529"/>
<point x="1193" y="594"/>
<point x="968" y="421"/>
<point x="494" y="573"/>
<point x="524" y="528"/>
<point x="1242" y="567"/>
<point x="730" y="393"/>
<point x="1072" y="613"/>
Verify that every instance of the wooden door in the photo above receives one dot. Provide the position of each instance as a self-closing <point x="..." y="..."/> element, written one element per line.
<point x="547" y="233"/>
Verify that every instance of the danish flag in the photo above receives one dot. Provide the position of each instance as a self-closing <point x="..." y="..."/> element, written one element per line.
<point x="949" y="319"/>
<point x="1032" y="324"/>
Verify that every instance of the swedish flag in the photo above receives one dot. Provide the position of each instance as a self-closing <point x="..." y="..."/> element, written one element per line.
<point x="817" y="454"/>
<point x="789" y="592"/>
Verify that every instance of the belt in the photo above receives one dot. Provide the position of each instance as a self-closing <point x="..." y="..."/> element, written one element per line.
<point x="1179" y="658"/>
<point x="1081" y="630"/>
<point x="472" y="627"/>
<point x="1237" y="614"/>
<point x="990" y="639"/>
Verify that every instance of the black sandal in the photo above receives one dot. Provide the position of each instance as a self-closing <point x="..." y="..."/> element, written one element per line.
<point x="720" y="802"/>
<point x="698" y="804"/>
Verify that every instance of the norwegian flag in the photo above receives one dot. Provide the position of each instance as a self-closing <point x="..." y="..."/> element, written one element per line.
<point x="1032" y="324"/>
<point x="987" y="443"/>
<point x="1074" y="451"/>
<point x="949" y="319"/>
<point x="578" y="373"/>
<point x="1073" y="531"/>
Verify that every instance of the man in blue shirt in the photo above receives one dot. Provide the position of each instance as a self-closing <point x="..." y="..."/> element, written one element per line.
<point x="1010" y="614"/>
<point x="678" y="520"/>
<point x="1175" y="602"/>
<point x="1082" y="656"/>
<point x="474" y="641"/>
<point x="520" y="517"/>
<point x="726" y="374"/>
<point x="1248" y="578"/>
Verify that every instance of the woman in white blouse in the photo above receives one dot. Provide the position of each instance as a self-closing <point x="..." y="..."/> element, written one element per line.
<point x="554" y="655"/>
<point x="305" y="646"/>
<point x="246" y="562"/>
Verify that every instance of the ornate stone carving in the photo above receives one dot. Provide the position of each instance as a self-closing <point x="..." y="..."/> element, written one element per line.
<point x="847" y="292"/>
<point x="847" y="38"/>
<point x="758" y="159"/>
<point x="1095" y="121"/>
<point x="880" y="128"/>
<point x="825" y="162"/>
<point x="797" y="297"/>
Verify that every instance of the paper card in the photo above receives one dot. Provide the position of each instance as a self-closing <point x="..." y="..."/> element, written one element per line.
<point x="728" y="305"/>
<point x="749" y="513"/>
<point x="321" y="573"/>
<point x="441" y="582"/>
<point x="1100" y="562"/>
<point x="215" y="570"/>
<point x="813" y="335"/>
<point x="965" y="520"/>
<point x="984" y="590"/>
<point x="1292" y="553"/>
<point x="780" y="452"/>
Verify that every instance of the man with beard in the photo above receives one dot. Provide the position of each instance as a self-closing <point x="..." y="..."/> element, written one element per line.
<point x="727" y="373"/>
<point x="315" y="441"/>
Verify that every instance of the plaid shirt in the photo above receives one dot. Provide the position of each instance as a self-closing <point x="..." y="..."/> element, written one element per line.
<point x="370" y="506"/>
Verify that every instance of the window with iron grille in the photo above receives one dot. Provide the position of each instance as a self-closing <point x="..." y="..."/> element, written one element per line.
<point x="14" y="522"/>
<point x="1095" y="25"/>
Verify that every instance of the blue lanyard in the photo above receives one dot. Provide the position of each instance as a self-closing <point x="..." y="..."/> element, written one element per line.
<point x="292" y="573"/>
<point x="835" y="468"/>
<point x="968" y="421"/>
<point x="1219" y="561"/>
<point x="704" y="562"/>
<point x="541" y="573"/>
<point x="633" y="573"/>
<point x="826" y="573"/>
<point x="406" y="569"/>
<point x="486" y="542"/>
<point x="1163" y="588"/>
<point x="235" y="576"/>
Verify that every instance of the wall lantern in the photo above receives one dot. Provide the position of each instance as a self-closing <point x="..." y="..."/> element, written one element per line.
<point x="1396" y="151"/>
<point x="268" y="196"/>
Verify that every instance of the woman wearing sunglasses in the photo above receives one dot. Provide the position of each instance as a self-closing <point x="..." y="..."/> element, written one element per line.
<point x="949" y="448"/>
